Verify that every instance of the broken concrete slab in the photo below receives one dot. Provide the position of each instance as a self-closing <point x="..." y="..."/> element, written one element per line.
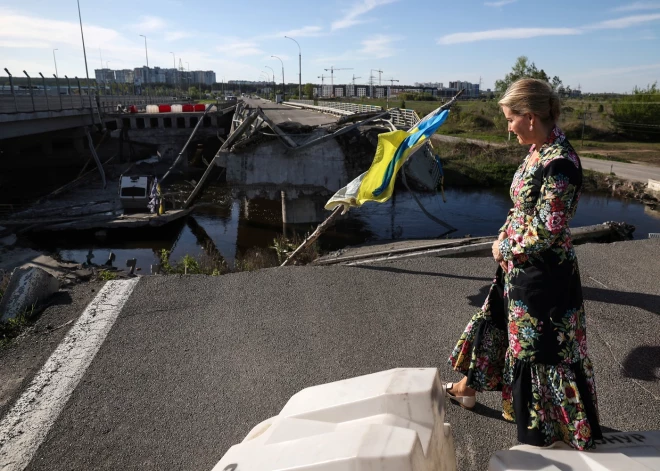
<point x="27" y="287"/>
<point x="9" y="240"/>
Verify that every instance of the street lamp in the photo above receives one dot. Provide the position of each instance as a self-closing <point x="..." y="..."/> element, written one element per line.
<point x="82" y="36"/>
<point x="299" y="68"/>
<point x="174" y="64"/>
<point x="283" y="89"/>
<point x="271" y="69"/>
<point x="55" y="60"/>
<point x="146" y="55"/>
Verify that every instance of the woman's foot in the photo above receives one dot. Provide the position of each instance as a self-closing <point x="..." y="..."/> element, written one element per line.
<point x="461" y="394"/>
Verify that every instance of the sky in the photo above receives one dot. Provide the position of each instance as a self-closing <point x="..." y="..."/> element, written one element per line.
<point x="598" y="45"/>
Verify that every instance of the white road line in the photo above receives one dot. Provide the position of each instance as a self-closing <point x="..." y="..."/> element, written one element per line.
<point x="25" y="426"/>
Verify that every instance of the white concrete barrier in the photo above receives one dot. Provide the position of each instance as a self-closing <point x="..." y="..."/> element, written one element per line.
<point x="387" y="421"/>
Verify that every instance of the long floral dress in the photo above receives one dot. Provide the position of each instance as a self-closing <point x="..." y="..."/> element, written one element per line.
<point x="529" y="338"/>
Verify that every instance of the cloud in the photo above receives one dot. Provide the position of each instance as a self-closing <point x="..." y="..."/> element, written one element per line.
<point x="150" y="24"/>
<point x="499" y="3"/>
<point x="176" y="35"/>
<point x="374" y="47"/>
<point x="625" y="22"/>
<point x="508" y="33"/>
<point x="239" y="48"/>
<point x="638" y="6"/>
<point x="305" y="31"/>
<point x="352" y="16"/>
<point x="621" y="70"/>
<point x="379" y="46"/>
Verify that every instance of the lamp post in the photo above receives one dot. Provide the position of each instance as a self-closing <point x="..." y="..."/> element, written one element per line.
<point x="174" y="64"/>
<point x="146" y="55"/>
<point x="55" y="60"/>
<point x="299" y="68"/>
<point x="82" y="36"/>
<point x="283" y="89"/>
<point x="271" y="69"/>
<point x="188" y="65"/>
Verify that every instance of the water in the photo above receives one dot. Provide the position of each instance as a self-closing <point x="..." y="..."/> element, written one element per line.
<point x="240" y="224"/>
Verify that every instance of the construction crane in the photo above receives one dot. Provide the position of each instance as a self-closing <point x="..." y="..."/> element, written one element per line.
<point x="391" y="80"/>
<point x="353" y="89"/>
<point x="332" y="74"/>
<point x="322" y="77"/>
<point x="371" y="79"/>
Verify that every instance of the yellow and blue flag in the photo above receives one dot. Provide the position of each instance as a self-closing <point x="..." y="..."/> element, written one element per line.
<point x="394" y="148"/>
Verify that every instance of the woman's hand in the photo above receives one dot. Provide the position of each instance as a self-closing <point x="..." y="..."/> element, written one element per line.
<point x="497" y="255"/>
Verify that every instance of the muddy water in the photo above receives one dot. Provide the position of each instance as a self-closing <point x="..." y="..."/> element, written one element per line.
<point x="239" y="224"/>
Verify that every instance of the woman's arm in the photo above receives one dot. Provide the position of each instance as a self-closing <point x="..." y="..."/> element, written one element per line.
<point x="529" y="234"/>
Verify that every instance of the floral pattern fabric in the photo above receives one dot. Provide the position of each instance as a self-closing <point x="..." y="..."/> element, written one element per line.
<point x="529" y="338"/>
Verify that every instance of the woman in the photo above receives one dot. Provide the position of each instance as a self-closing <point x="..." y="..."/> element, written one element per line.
<point x="528" y="340"/>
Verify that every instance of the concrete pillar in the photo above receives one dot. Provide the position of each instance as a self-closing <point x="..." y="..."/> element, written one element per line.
<point x="187" y="118"/>
<point x="301" y="210"/>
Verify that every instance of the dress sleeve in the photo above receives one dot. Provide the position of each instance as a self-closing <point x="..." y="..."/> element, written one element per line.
<point x="506" y="223"/>
<point x="533" y="232"/>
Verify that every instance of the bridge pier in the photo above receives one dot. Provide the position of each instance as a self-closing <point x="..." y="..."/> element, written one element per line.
<point x="47" y="146"/>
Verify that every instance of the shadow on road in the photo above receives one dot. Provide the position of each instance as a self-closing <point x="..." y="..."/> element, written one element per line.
<point x="648" y="302"/>
<point x="413" y="272"/>
<point x="642" y="363"/>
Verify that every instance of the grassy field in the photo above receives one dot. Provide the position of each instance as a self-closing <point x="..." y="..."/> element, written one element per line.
<point x="482" y="119"/>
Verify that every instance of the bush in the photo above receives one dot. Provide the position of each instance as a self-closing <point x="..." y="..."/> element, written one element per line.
<point x="638" y="115"/>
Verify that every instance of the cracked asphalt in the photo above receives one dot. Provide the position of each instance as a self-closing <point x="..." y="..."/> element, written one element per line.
<point x="193" y="363"/>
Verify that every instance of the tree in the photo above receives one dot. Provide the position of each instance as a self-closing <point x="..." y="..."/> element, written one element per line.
<point x="309" y="91"/>
<point x="524" y="68"/>
<point x="638" y="115"/>
<point x="193" y="93"/>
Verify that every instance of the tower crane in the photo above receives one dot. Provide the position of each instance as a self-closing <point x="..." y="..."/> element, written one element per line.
<point x="322" y="77"/>
<point x="332" y="74"/>
<point x="354" y="77"/>
<point x="371" y="79"/>
<point x="391" y="80"/>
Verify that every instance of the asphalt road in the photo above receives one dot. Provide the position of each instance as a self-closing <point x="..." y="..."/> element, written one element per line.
<point x="280" y="113"/>
<point x="635" y="172"/>
<point x="627" y="171"/>
<point x="193" y="363"/>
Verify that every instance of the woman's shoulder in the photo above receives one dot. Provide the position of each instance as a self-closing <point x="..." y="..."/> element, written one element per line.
<point x="560" y="152"/>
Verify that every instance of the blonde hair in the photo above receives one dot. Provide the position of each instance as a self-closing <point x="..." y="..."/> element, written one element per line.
<point x="528" y="95"/>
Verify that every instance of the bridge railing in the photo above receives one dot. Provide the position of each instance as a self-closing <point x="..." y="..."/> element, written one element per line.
<point x="404" y="118"/>
<point x="353" y="107"/>
<point x="303" y="102"/>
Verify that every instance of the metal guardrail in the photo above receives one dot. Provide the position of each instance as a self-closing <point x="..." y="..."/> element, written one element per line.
<point x="404" y="118"/>
<point x="303" y="102"/>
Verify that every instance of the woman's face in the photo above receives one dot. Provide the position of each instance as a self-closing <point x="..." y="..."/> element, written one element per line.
<point x="519" y="125"/>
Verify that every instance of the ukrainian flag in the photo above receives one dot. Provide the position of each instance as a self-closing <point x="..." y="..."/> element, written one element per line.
<point x="394" y="148"/>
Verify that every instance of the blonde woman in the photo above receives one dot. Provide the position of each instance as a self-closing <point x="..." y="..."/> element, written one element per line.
<point x="529" y="338"/>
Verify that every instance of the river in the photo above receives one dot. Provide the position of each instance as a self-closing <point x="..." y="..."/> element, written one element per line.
<point x="237" y="224"/>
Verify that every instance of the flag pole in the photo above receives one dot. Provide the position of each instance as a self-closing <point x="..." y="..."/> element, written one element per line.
<point x="314" y="235"/>
<point x="338" y="210"/>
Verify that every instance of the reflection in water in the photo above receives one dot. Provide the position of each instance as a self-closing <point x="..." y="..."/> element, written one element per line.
<point x="241" y="224"/>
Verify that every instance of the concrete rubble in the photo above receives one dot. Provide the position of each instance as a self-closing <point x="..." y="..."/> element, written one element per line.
<point x="27" y="287"/>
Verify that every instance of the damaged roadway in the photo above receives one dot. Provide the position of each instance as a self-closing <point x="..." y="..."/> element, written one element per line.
<point x="182" y="377"/>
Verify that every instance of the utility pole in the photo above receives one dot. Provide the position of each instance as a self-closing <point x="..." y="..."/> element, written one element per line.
<point x="332" y="80"/>
<point x="391" y="80"/>
<point x="372" y="80"/>
<point x="354" y="77"/>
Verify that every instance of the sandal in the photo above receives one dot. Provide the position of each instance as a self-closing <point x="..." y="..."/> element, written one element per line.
<point x="466" y="402"/>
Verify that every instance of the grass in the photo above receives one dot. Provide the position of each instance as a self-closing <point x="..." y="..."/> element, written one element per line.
<point x="253" y="259"/>
<point x="612" y="158"/>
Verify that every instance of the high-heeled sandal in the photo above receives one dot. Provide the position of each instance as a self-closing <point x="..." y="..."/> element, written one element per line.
<point x="466" y="402"/>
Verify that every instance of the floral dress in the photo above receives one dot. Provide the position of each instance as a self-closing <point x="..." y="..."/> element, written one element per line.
<point x="529" y="338"/>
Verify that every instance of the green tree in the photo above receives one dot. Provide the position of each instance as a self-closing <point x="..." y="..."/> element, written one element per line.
<point x="309" y="91"/>
<point x="524" y="68"/>
<point x="638" y="115"/>
<point x="193" y="93"/>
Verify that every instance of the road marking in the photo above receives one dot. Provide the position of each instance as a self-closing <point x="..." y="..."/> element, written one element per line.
<point x="25" y="426"/>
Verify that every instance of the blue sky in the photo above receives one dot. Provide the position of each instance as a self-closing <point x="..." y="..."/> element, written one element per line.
<point x="601" y="45"/>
